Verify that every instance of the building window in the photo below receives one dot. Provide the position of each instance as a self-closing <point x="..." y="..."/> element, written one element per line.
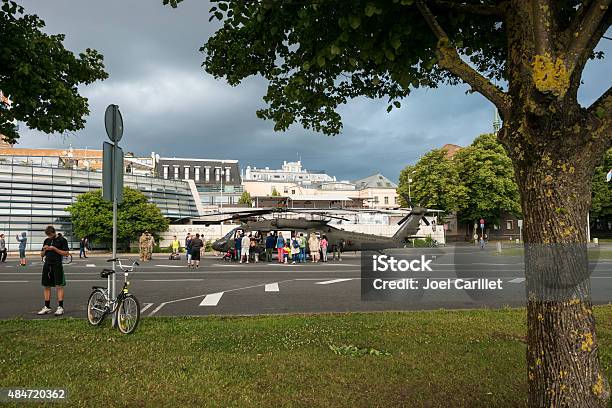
<point x="196" y="173"/>
<point x="217" y="174"/>
<point x="176" y="172"/>
<point x="509" y="224"/>
<point x="186" y="175"/>
<point x="166" y="172"/>
<point x="386" y="200"/>
<point x="395" y="199"/>
<point x="376" y="200"/>
<point x="228" y="174"/>
<point x="207" y="174"/>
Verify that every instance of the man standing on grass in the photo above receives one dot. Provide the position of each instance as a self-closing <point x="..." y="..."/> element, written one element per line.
<point x="54" y="249"/>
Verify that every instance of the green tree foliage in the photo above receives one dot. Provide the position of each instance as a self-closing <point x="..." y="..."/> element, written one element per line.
<point x="601" y="205"/>
<point x="435" y="183"/>
<point x="275" y="192"/>
<point x="245" y="199"/>
<point x="93" y="217"/>
<point x="486" y="172"/>
<point x="41" y="76"/>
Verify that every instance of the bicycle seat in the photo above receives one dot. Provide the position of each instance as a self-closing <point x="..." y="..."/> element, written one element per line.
<point x="106" y="273"/>
<point x="112" y="260"/>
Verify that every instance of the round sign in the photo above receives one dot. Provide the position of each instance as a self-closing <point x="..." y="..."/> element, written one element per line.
<point x="113" y="123"/>
<point x="482" y="220"/>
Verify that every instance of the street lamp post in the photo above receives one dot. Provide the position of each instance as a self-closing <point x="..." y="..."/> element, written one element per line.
<point x="409" y="182"/>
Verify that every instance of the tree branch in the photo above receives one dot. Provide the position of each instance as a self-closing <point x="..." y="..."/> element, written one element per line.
<point x="543" y="24"/>
<point x="585" y="28"/>
<point x="449" y="59"/>
<point x="477" y="9"/>
<point x="601" y="112"/>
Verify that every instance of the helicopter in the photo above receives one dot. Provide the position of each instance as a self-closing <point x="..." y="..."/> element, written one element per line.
<point x="339" y="239"/>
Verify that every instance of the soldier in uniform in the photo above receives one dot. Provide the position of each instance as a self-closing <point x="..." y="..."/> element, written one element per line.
<point x="142" y="246"/>
<point x="151" y="245"/>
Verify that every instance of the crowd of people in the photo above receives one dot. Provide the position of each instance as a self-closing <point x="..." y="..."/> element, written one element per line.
<point x="295" y="248"/>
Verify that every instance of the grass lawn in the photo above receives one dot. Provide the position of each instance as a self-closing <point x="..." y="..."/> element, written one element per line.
<point x="433" y="359"/>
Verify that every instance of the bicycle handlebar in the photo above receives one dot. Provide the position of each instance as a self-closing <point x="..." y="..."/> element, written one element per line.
<point x="124" y="269"/>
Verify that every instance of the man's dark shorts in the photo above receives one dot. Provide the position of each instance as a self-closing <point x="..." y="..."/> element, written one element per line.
<point x="53" y="275"/>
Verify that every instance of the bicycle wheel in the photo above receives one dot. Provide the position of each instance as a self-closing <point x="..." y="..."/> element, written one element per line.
<point x="67" y="259"/>
<point x="96" y="307"/>
<point x="128" y="314"/>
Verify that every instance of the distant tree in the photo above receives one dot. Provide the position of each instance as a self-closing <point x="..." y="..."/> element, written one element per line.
<point x="41" y="77"/>
<point x="93" y="217"/>
<point x="601" y="204"/>
<point x="435" y="183"/>
<point x="486" y="172"/>
<point x="245" y="199"/>
<point x="275" y="193"/>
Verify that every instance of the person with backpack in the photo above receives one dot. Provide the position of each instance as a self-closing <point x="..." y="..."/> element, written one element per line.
<point x="295" y="250"/>
<point x="270" y="243"/>
<point x="302" y="241"/>
<point x="280" y="247"/>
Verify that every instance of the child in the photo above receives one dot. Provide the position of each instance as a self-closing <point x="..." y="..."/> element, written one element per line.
<point x="286" y="252"/>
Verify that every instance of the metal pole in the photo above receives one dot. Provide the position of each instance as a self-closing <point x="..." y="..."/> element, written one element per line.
<point x="588" y="227"/>
<point x="112" y="291"/>
<point x="221" y="173"/>
<point x="409" y="198"/>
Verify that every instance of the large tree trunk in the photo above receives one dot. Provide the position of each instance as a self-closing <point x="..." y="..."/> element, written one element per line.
<point x="562" y="352"/>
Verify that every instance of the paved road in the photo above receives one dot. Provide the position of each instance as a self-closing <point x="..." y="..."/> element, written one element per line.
<point x="169" y="288"/>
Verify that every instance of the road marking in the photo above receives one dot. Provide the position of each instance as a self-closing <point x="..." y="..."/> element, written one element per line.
<point x="333" y="281"/>
<point x="272" y="287"/>
<point x="91" y="265"/>
<point x="212" y="299"/>
<point x="517" y="280"/>
<point x="157" y="309"/>
<point x="14" y="281"/>
<point x="171" y="280"/>
<point x="172" y="266"/>
<point x="145" y="307"/>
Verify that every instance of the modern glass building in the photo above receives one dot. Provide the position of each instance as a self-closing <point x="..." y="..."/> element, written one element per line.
<point x="35" y="191"/>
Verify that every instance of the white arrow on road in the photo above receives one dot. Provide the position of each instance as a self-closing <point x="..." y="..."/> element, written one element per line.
<point x="212" y="299"/>
<point x="517" y="280"/>
<point x="272" y="287"/>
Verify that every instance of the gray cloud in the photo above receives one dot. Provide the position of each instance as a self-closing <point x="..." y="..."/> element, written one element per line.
<point x="171" y="106"/>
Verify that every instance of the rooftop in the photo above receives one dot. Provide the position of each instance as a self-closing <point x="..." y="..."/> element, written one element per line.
<point x="374" y="181"/>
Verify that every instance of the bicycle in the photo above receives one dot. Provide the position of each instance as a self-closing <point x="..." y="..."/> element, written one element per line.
<point x="125" y="306"/>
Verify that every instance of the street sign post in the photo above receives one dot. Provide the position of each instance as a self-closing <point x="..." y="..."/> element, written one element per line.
<point x="520" y="225"/>
<point x="112" y="175"/>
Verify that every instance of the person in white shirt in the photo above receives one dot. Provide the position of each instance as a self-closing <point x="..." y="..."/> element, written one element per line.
<point x="245" y="246"/>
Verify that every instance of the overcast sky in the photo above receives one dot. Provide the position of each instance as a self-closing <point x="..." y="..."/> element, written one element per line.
<point x="172" y="107"/>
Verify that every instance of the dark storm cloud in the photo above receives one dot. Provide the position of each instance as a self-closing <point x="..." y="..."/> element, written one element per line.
<point x="172" y="107"/>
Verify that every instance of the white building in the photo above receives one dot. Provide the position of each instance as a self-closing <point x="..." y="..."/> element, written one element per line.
<point x="291" y="172"/>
